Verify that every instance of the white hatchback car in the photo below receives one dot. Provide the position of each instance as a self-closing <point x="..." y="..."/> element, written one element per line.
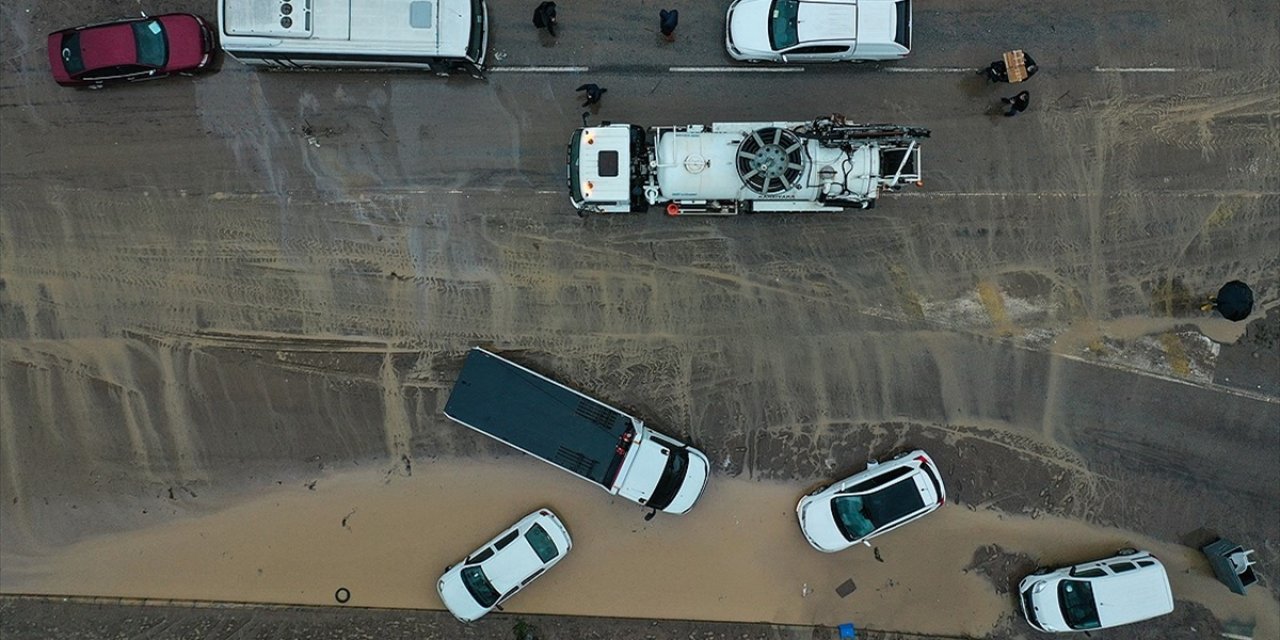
<point x="818" y="30"/>
<point x="882" y="498"/>
<point x="1128" y="587"/>
<point x="504" y="565"/>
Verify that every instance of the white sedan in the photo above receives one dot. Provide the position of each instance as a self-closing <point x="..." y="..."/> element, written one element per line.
<point x="504" y="565"/>
<point x="818" y="30"/>
<point x="882" y="498"/>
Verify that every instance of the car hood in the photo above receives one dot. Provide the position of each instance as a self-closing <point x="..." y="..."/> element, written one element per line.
<point x="819" y="525"/>
<point x="749" y="26"/>
<point x="186" y="42"/>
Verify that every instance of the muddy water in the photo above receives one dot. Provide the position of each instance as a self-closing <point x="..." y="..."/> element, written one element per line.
<point x="738" y="556"/>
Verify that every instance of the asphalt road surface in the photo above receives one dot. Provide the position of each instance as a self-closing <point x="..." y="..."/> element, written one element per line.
<point x="214" y="288"/>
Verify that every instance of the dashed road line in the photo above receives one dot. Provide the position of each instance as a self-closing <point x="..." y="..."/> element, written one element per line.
<point x="929" y="69"/>
<point x="784" y="69"/>
<point x="736" y="69"/>
<point x="1140" y="70"/>
<point x="569" y="69"/>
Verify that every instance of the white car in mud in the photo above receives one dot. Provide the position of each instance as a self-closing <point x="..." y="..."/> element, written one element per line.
<point x="818" y="30"/>
<point x="1128" y="587"/>
<point x="504" y="565"/>
<point x="868" y="504"/>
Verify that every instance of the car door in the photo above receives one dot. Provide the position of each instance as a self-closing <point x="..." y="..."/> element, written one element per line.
<point x="818" y="53"/>
<point x="121" y="73"/>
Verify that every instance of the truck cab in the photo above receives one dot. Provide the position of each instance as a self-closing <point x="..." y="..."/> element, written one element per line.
<point x="663" y="473"/>
<point x="602" y="178"/>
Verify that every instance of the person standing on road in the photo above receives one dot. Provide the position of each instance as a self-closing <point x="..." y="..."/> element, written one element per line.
<point x="1017" y="104"/>
<point x="544" y="17"/>
<point x="667" y="21"/>
<point x="594" y="92"/>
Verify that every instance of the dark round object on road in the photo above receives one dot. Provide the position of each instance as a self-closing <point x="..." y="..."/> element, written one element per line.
<point x="342" y="595"/>
<point x="1234" y="301"/>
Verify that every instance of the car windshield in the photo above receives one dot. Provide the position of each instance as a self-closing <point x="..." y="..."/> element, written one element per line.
<point x="575" y="183"/>
<point x="152" y="49"/>
<point x="478" y="584"/>
<point x="783" y="32"/>
<point x="475" y="42"/>
<point x="71" y="57"/>
<point x="1078" y="607"/>
<point x="671" y="480"/>
<point x="541" y="543"/>
<point x="860" y="515"/>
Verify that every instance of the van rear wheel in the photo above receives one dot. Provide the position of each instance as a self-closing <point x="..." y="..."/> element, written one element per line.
<point x="1127" y="551"/>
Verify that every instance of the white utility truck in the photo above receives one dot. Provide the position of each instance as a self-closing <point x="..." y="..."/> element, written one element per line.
<point x="740" y="167"/>
<point x="576" y="433"/>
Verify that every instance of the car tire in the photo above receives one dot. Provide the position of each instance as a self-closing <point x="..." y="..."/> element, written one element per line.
<point x="1041" y="571"/>
<point x="1127" y="551"/>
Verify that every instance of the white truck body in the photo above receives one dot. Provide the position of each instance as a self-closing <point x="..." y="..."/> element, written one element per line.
<point x="577" y="433"/>
<point x="731" y="168"/>
<point x="437" y="35"/>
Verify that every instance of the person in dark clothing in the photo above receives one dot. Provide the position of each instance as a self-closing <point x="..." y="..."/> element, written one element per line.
<point x="1032" y="68"/>
<point x="1017" y="104"/>
<point x="594" y="92"/>
<point x="544" y="17"/>
<point x="998" y="72"/>
<point x="667" y="21"/>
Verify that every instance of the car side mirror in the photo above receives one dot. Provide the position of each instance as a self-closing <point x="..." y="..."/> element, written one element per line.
<point x="867" y="542"/>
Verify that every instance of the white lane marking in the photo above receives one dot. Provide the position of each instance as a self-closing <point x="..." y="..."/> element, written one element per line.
<point x="1095" y="70"/>
<point x="1236" y="193"/>
<point x="736" y="69"/>
<point x="537" y="69"/>
<point x="1138" y="70"/>
<point x="929" y="69"/>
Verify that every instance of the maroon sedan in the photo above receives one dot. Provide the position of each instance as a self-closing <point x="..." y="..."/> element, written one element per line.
<point x="131" y="49"/>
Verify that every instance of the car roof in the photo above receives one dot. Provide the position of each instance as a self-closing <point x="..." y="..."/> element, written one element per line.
<point x="1133" y="595"/>
<point x="108" y="46"/>
<point x="826" y="21"/>
<point x="877" y="22"/>
<point x="513" y="564"/>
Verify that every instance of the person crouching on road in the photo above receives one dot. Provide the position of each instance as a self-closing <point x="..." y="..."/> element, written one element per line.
<point x="999" y="72"/>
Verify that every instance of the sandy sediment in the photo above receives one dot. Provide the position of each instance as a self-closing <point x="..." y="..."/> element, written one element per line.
<point x="739" y="554"/>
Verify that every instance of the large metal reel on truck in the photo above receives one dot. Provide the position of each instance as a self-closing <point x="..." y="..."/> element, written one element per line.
<point x="770" y="160"/>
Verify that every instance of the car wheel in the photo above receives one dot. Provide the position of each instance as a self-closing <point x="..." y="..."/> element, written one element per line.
<point x="1041" y="571"/>
<point x="1127" y="551"/>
